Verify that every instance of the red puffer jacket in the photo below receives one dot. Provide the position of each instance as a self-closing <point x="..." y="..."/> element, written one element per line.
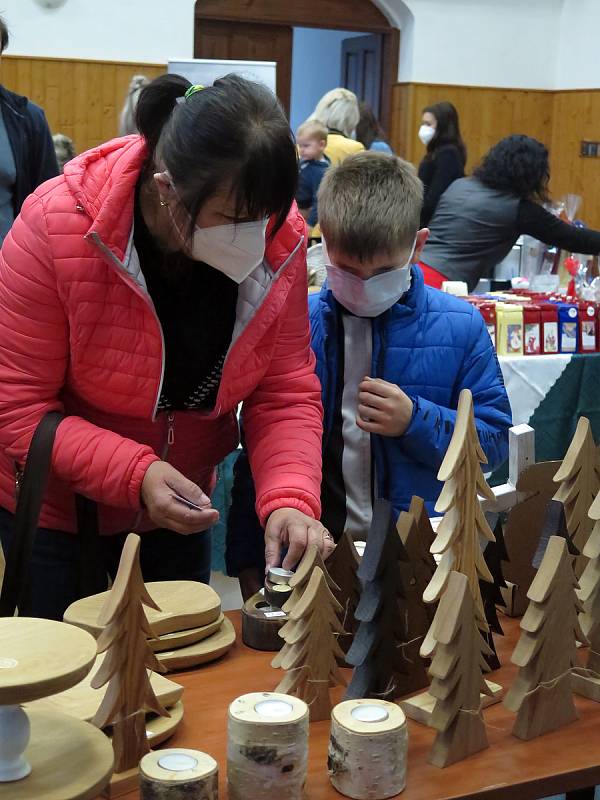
<point x="78" y="332"/>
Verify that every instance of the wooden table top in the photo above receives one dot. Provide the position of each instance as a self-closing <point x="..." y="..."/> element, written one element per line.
<point x="562" y="761"/>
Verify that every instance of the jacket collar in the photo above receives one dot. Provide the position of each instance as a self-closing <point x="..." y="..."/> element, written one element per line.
<point x="15" y="102"/>
<point x="103" y="181"/>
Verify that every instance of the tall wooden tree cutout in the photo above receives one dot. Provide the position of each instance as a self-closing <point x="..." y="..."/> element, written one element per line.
<point x="457" y="667"/>
<point x="377" y="652"/>
<point x="547" y="649"/>
<point x="342" y="566"/>
<point x="311" y="651"/>
<point x="299" y="582"/>
<point x="128" y="658"/>
<point x="458" y="535"/>
<point x="415" y="574"/>
<point x="587" y="680"/>
<point x="495" y="553"/>
<point x="579" y="478"/>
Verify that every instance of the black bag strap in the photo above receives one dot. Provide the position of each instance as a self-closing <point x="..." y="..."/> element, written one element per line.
<point x="32" y="488"/>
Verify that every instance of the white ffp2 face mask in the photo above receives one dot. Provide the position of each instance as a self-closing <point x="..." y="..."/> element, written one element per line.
<point x="426" y="133"/>
<point x="236" y="250"/>
<point x="371" y="297"/>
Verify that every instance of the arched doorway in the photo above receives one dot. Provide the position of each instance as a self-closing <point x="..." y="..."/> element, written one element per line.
<point x="261" y="30"/>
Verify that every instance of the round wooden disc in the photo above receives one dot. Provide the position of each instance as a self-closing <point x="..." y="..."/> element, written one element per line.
<point x="39" y="657"/>
<point x="369" y="716"/>
<point x="171" y="641"/>
<point x="152" y="769"/>
<point x="183" y="604"/>
<point x="159" y="729"/>
<point x="70" y="760"/>
<point x="202" y="652"/>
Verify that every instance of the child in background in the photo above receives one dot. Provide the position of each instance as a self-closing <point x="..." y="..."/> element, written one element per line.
<point x="311" y="139"/>
<point x="392" y="356"/>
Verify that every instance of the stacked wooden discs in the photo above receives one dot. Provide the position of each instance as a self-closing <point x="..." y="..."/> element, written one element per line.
<point x="178" y="774"/>
<point x="368" y="749"/>
<point x="190" y="627"/>
<point x="267" y="747"/>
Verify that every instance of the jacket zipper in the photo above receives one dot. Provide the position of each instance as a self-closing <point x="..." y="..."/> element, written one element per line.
<point x="170" y="434"/>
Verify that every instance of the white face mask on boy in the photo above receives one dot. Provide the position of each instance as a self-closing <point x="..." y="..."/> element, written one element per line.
<point x="371" y="297"/>
<point x="235" y="249"/>
<point x="426" y="133"/>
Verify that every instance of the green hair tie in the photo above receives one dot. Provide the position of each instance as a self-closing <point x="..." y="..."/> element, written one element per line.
<point x="192" y="90"/>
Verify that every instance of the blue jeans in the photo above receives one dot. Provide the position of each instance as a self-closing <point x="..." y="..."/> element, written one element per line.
<point x="56" y="557"/>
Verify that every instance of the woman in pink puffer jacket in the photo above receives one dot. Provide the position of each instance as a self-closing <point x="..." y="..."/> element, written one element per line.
<point x="147" y="293"/>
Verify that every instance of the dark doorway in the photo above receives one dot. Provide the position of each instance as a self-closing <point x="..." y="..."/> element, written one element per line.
<point x="361" y="68"/>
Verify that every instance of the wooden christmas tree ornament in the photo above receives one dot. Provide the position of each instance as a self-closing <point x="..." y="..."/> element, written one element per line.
<point x="426" y="533"/>
<point x="183" y="605"/>
<point x="342" y="566"/>
<point x="586" y="681"/>
<point x="368" y="749"/>
<point x="491" y="593"/>
<point x="311" y="649"/>
<point x="464" y="523"/>
<point x="178" y="774"/>
<point x="44" y="754"/>
<point x="267" y="747"/>
<point x="547" y="649"/>
<point x="458" y="652"/>
<point x="299" y="581"/>
<point x="128" y="657"/>
<point x="579" y="478"/>
<point x="381" y="668"/>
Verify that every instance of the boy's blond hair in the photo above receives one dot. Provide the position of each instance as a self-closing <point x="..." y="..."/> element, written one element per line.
<point x="370" y="205"/>
<point x="313" y="129"/>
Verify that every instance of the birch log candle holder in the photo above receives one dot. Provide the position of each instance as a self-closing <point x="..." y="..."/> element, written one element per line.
<point x="368" y="749"/>
<point x="267" y="747"/>
<point x="178" y="774"/>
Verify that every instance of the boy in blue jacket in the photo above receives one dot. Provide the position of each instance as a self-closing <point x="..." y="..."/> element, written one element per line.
<point x="311" y="139"/>
<point x="392" y="355"/>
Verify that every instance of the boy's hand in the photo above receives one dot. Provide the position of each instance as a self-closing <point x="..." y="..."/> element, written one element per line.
<point x="383" y="408"/>
<point x="288" y="526"/>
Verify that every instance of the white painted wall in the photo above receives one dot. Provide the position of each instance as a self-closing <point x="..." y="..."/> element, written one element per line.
<point x="577" y="63"/>
<point x="114" y="30"/>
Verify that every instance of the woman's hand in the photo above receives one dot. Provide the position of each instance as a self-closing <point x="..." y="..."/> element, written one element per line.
<point x="160" y="485"/>
<point x="288" y="526"/>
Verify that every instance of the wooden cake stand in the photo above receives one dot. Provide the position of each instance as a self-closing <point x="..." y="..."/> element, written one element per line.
<point x="46" y="755"/>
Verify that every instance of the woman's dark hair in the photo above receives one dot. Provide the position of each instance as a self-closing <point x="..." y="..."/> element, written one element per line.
<point x="234" y="131"/>
<point x="447" y="130"/>
<point x="368" y="129"/>
<point x="3" y="35"/>
<point x="517" y="164"/>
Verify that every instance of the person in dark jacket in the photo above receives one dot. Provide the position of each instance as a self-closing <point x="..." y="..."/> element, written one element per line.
<point x="446" y="154"/>
<point x="392" y="357"/>
<point x="311" y="139"/>
<point x="27" y="155"/>
<point x="479" y="219"/>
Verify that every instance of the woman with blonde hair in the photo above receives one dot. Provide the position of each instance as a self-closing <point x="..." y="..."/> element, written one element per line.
<point x="338" y="110"/>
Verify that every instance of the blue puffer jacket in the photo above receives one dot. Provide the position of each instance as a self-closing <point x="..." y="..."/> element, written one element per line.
<point x="432" y="345"/>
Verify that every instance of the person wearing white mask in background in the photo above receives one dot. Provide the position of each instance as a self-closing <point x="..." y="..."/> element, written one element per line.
<point x="392" y="356"/>
<point x="146" y="293"/>
<point x="446" y="156"/>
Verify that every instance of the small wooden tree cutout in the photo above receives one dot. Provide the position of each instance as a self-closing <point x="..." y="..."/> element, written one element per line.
<point x="129" y="657"/>
<point x="426" y="532"/>
<point x="311" y="650"/>
<point x="579" y="478"/>
<point x="458" y="535"/>
<point x="494" y="554"/>
<point x="342" y="566"/>
<point x="312" y="558"/>
<point x="457" y="667"/>
<point x="377" y="653"/>
<point x="587" y="682"/>
<point x="547" y="652"/>
<point x="415" y="575"/>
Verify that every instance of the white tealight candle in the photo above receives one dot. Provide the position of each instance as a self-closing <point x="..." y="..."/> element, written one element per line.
<point x="273" y="708"/>
<point x="369" y="713"/>
<point x="178" y="762"/>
